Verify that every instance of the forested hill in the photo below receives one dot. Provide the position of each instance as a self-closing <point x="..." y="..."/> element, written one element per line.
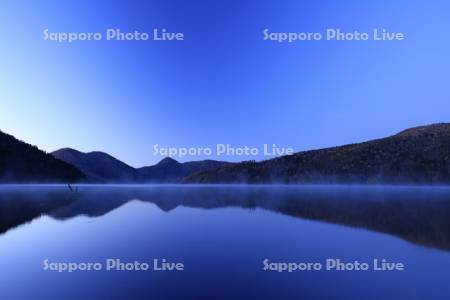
<point x="419" y="155"/>
<point x="21" y="162"/>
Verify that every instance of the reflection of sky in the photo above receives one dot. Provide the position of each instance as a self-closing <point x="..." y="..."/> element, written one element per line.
<point x="223" y="84"/>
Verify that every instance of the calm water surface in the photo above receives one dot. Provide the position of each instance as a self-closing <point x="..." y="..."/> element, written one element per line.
<point x="222" y="234"/>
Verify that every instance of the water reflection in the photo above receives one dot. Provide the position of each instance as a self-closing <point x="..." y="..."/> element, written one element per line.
<point x="419" y="215"/>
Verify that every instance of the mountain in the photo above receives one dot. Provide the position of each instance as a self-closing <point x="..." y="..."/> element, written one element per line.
<point x="102" y="167"/>
<point x="419" y="155"/>
<point x="170" y="170"/>
<point x="21" y="162"/>
<point x="98" y="166"/>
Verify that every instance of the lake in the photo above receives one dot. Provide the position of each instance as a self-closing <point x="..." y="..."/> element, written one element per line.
<point x="233" y="241"/>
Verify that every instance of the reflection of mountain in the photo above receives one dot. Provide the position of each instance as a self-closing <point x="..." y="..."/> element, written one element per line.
<point x="419" y="215"/>
<point x="416" y="155"/>
<point x="21" y="162"/>
<point x="19" y="206"/>
<point x="102" y="167"/>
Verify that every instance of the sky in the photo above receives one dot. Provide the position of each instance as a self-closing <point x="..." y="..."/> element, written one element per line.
<point x="223" y="84"/>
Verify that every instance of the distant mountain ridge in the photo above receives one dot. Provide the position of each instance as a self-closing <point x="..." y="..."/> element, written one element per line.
<point x="419" y="155"/>
<point x="21" y="162"/>
<point x="98" y="166"/>
<point x="169" y="169"/>
<point x="103" y="168"/>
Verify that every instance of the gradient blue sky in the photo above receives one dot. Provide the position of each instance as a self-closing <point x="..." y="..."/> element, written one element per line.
<point x="223" y="84"/>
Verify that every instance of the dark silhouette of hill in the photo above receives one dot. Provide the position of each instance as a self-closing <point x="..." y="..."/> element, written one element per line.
<point x="419" y="155"/>
<point x="170" y="170"/>
<point x="98" y="166"/>
<point x="22" y="162"/>
<point x="102" y="167"/>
